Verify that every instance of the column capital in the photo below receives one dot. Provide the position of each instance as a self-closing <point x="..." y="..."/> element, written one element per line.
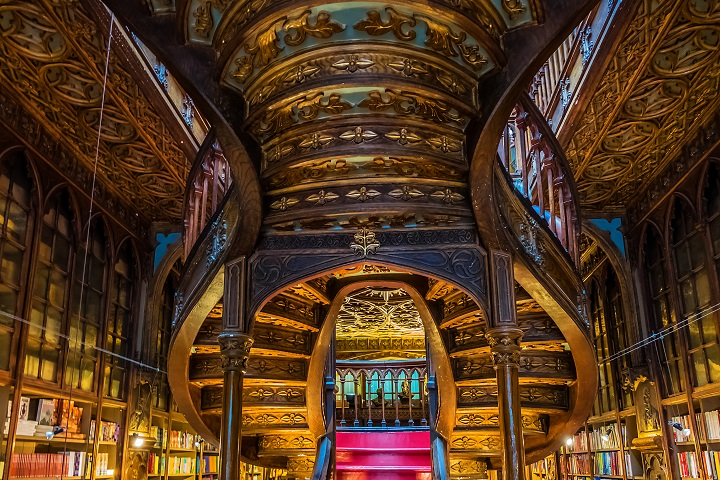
<point x="235" y="350"/>
<point x="505" y="345"/>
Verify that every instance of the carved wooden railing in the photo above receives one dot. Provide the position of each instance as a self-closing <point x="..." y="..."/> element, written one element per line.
<point x="208" y="183"/>
<point x="531" y="155"/>
<point x="391" y="393"/>
<point x="551" y="84"/>
<point x="561" y="78"/>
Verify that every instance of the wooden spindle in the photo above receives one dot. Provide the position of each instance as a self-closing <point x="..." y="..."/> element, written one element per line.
<point x="356" y="387"/>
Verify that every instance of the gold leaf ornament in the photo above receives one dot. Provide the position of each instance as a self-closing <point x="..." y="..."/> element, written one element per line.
<point x="353" y="64"/>
<point x="514" y="8"/>
<point x="265" y="48"/>
<point x="203" y="19"/>
<point x="300" y="27"/>
<point x="375" y="26"/>
<point x="443" y="39"/>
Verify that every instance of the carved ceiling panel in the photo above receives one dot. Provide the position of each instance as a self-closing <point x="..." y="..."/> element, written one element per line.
<point x="52" y="59"/>
<point x="219" y="21"/>
<point x="379" y="312"/>
<point x="660" y="88"/>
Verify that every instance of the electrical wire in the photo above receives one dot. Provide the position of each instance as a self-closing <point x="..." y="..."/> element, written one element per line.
<point x="662" y="333"/>
<point x="89" y="345"/>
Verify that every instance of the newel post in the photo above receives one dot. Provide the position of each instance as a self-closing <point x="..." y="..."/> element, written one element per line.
<point x="504" y="338"/>
<point x="235" y="344"/>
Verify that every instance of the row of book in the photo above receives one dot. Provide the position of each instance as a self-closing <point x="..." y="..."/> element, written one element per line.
<point x="160" y="436"/>
<point x="608" y="463"/>
<point x="678" y="434"/>
<point x="604" y="438"/>
<point x="688" y="463"/>
<point x="712" y="464"/>
<point x="101" y="467"/>
<point x="579" y="443"/>
<point x="181" y="465"/>
<point x="712" y="425"/>
<point x="109" y="431"/>
<point x="211" y="464"/>
<point x="65" y="464"/>
<point x="576" y="464"/>
<point x="156" y="464"/>
<point x="182" y="439"/>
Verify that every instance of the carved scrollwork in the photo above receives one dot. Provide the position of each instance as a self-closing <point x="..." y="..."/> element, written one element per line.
<point x="514" y="8"/>
<point x="301" y="26"/>
<point x="406" y="103"/>
<point x="374" y="24"/>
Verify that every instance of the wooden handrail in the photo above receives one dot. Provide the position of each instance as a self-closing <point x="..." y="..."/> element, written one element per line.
<point x="208" y="182"/>
<point x="531" y="155"/>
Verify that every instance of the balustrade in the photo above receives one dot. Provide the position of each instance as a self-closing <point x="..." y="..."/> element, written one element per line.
<point x="546" y="87"/>
<point x="371" y="394"/>
<point x="532" y="157"/>
<point x="208" y="183"/>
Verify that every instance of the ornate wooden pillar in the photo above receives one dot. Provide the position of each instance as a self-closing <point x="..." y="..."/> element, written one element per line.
<point x="235" y="344"/>
<point x="504" y="337"/>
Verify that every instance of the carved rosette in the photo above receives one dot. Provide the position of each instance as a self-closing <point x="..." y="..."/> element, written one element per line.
<point x="235" y="350"/>
<point x="505" y="345"/>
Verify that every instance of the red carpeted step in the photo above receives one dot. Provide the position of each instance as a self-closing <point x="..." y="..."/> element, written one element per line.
<point x="373" y="475"/>
<point x="383" y="455"/>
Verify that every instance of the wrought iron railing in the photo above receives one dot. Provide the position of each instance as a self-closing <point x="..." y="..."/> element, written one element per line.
<point x="378" y="395"/>
<point x="534" y="160"/>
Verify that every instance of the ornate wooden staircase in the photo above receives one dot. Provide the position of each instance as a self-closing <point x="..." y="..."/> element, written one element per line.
<point x="362" y="141"/>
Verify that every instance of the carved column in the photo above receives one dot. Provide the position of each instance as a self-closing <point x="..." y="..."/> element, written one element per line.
<point x="504" y="337"/>
<point x="235" y="346"/>
<point x="505" y="347"/>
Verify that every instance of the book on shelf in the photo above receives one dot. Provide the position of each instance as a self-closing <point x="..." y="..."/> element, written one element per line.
<point x="712" y="425"/>
<point x="576" y="465"/>
<point x="156" y="464"/>
<point x="684" y="422"/>
<point x="181" y="465"/>
<point x="46" y="411"/>
<point x="210" y="464"/>
<point x="160" y="436"/>
<point x="579" y="443"/>
<point x="608" y="463"/>
<point x="712" y="463"/>
<point x="689" y="468"/>
<point x="604" y="438"/>
<point x="182" y="439"/>
<point x="66" y="464"/>
<point x="109" y="431"/>
<point x="101" y="467"/>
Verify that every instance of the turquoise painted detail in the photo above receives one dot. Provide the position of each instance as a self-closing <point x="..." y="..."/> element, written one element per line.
<point x="164" y="241"/>
<point x="613" y="228"/>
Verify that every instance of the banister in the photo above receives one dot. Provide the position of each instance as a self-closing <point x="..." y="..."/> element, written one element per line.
<point x="531" y="155"/>
<point x="208" y="182"/>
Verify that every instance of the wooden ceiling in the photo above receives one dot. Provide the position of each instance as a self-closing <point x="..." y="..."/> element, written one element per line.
<point x="52" y="61"/>
<point x="660" y="86"/>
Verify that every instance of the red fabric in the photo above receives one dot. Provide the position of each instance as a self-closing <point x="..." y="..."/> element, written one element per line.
<point x="383" y="455"/>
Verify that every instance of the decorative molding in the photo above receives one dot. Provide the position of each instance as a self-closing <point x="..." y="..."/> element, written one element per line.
<point x="364" y="243"/>
<point x="235" y="350"/>
<point x="218" y="235"/>
<point x="531" y="364"/>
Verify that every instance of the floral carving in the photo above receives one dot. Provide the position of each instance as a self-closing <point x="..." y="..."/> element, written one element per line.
<point x="375" y="26"/>
<point x="300" y="27"/>
<point x="353" y="63"/>
<point x="443" y="39"/>
<point x="406" y="103"/>
<point x="514" y="8"/>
